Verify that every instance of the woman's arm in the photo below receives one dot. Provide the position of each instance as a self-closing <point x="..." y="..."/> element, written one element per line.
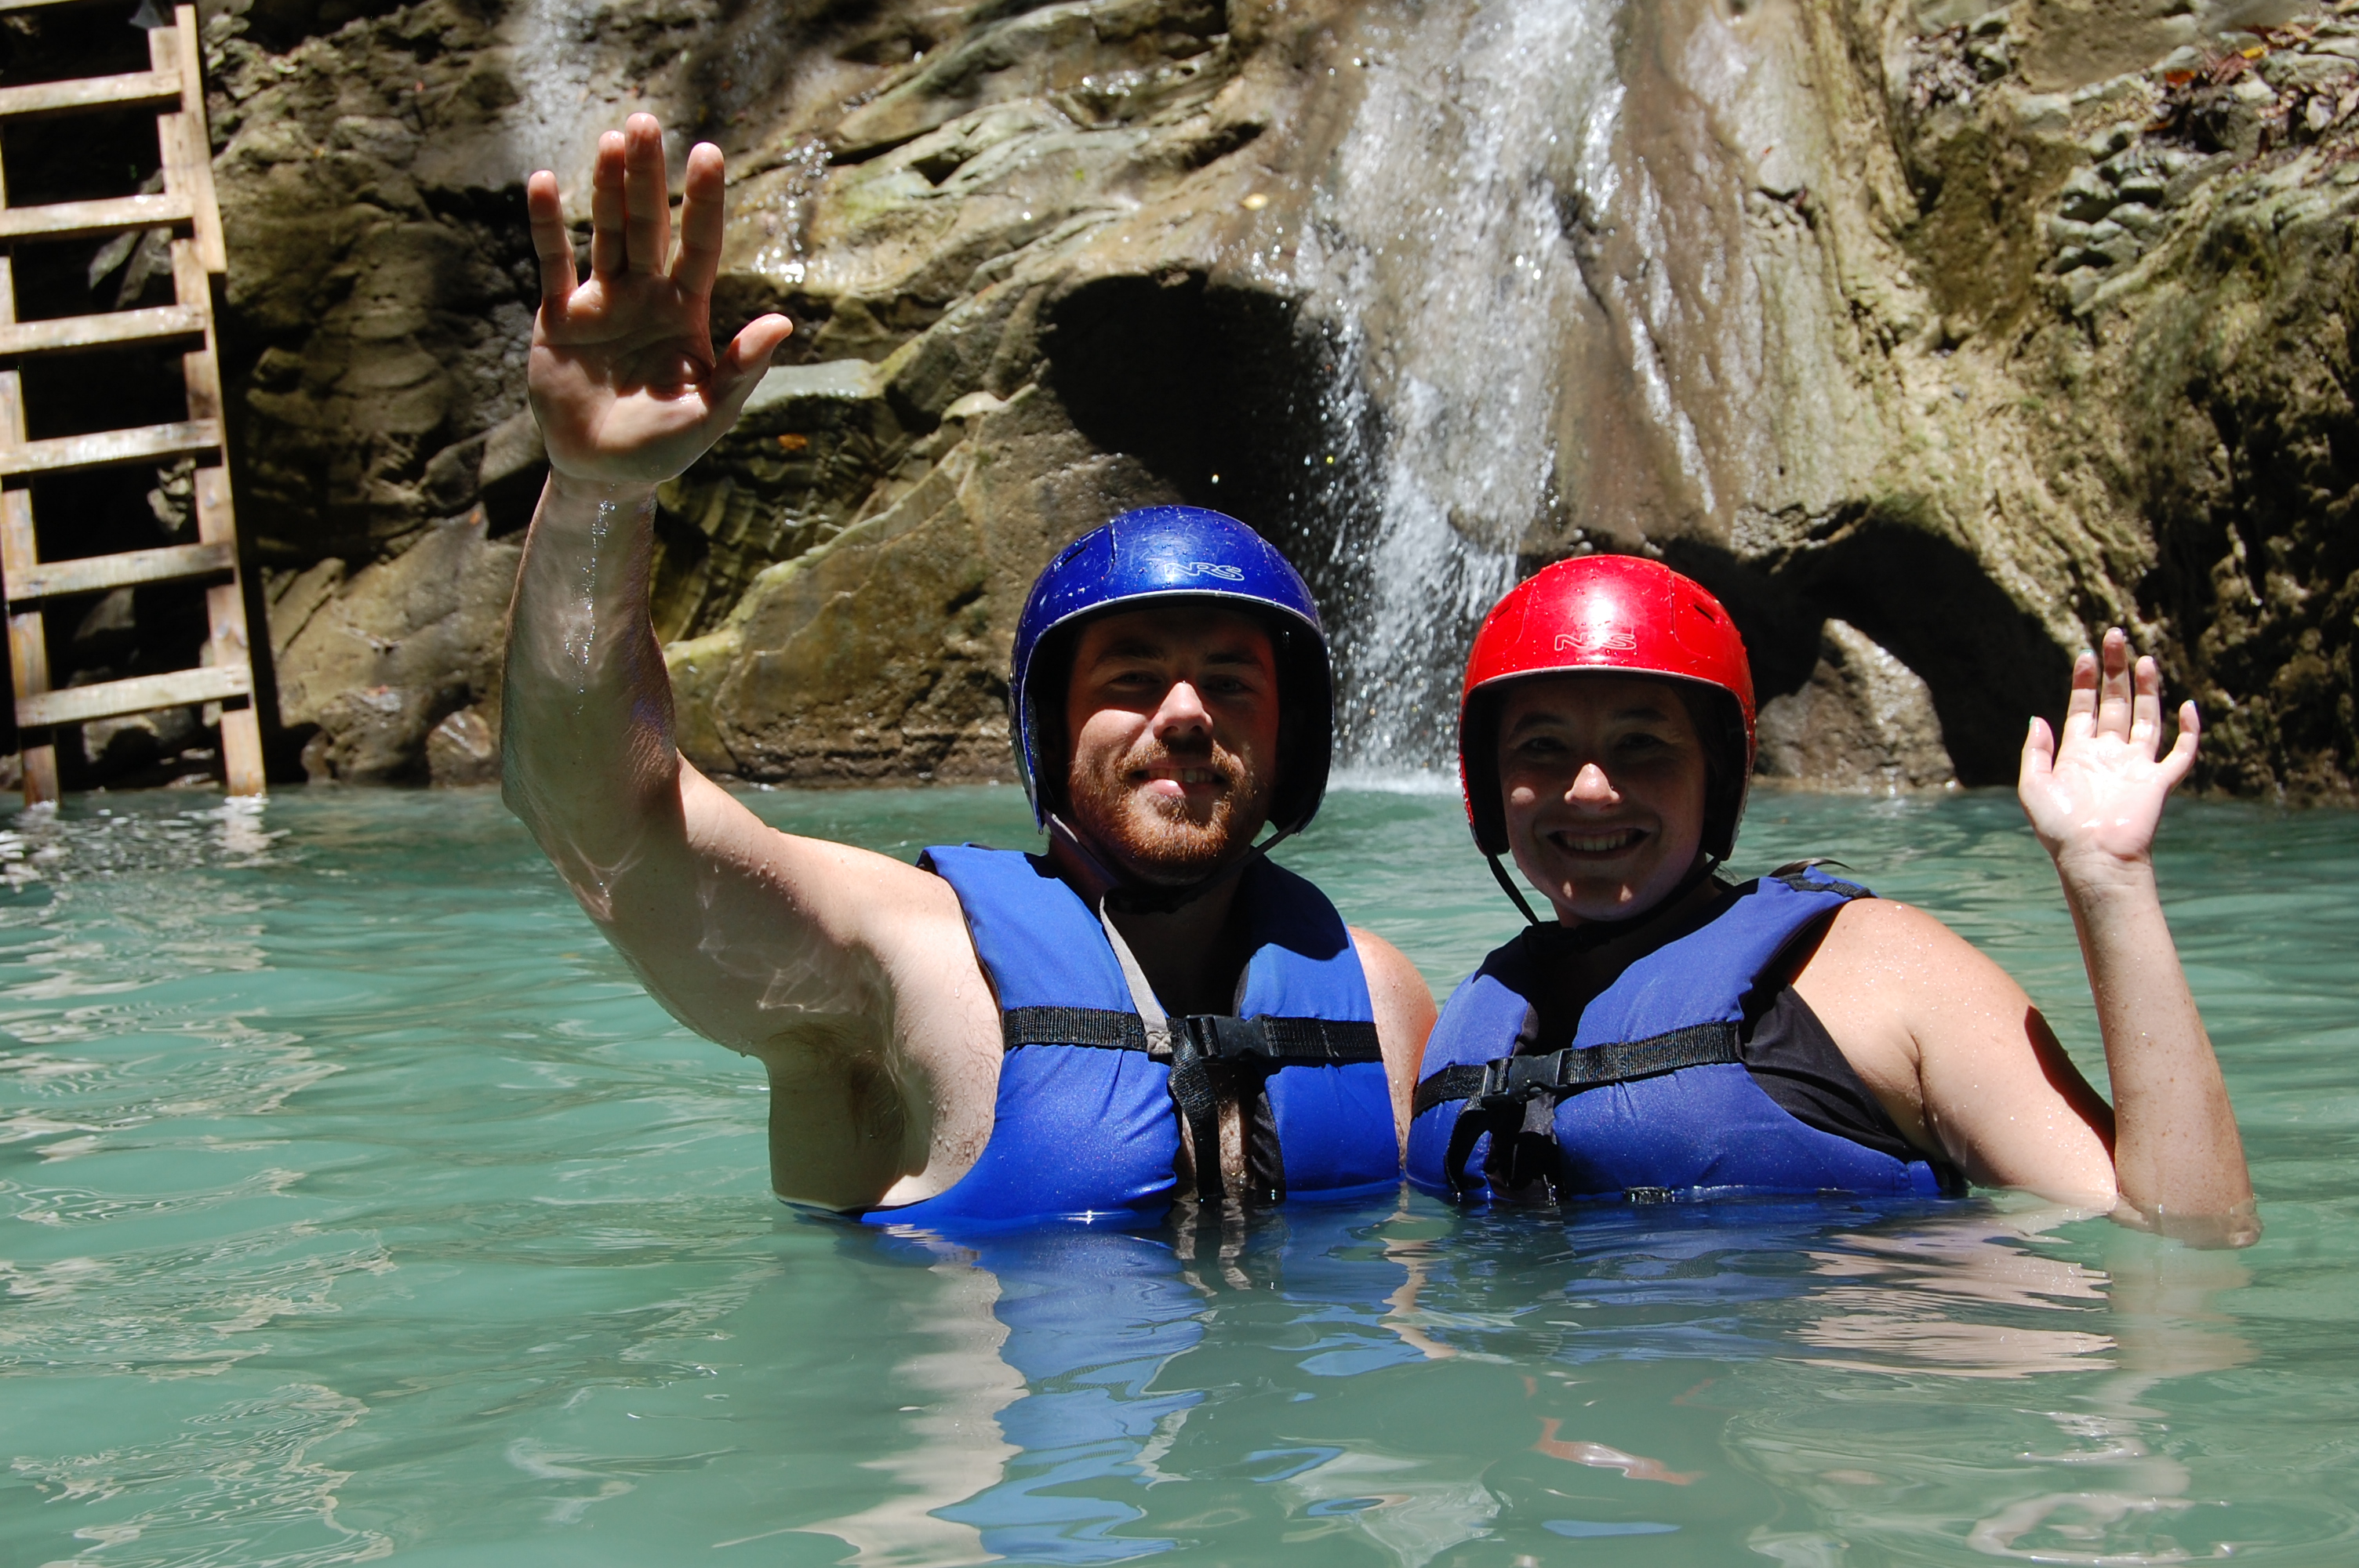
<point x="2095" y="800"/>
<point x="1957" y="1053"/>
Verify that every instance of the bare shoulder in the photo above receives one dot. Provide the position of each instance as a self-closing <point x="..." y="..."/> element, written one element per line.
<point x="1405" y="1014"/>
<point x="1392" y="979"/>
<point x="1954" y="1050"/>
<point x="1884" y="970"/>
<point x="1899" y="940"/>
<point x="772" y="943"/>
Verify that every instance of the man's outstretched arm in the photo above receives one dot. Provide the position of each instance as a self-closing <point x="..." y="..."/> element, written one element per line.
<point x="745" y="934"/>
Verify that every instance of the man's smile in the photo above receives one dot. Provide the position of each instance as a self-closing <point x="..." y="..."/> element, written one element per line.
<point x="1172" y="779"/>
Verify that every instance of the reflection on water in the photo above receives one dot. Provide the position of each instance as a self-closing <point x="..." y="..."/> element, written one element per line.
<point x="353" y="1201"/>
<point x="1073" y="1374"/>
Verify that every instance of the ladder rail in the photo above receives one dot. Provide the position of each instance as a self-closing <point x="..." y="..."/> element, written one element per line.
<point x="174" y="85"/>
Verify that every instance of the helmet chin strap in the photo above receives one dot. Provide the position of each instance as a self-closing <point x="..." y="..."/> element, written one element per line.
<point x="1125" y="897"/>
<point x="1508" y="883"/>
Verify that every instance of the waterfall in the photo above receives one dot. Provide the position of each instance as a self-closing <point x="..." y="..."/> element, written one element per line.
<point x="1436" y="256"/>
<point x="558" y="114"/>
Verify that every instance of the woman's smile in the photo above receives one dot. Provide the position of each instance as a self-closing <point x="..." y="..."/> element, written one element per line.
<point x="1605" y="784"/>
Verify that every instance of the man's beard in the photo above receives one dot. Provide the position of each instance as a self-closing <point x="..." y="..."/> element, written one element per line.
<point x="1161" y="841"/>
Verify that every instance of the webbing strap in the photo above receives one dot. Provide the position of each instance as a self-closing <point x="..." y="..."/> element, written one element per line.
<point x="1500" y="1094"/>
<point x="1270" y="1041"/>
<point x="1200" y="1106"/>
<point x="1572" y="1070"/>
<point x="1280" y="1041"/>
<point x="1197" y="1041"/>
<point x="1072" y="1026"/>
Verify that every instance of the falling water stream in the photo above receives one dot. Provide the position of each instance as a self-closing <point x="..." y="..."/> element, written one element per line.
<point x="1575" y="310"/>
<point x="1436" y="252"/>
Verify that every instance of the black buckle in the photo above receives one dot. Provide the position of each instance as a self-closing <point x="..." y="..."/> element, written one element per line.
<point x="1220" y="1037"/>
<point x="1508" y="1080"/>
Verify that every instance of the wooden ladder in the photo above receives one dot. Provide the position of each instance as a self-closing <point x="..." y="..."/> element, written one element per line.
<point x="173" y="86"/>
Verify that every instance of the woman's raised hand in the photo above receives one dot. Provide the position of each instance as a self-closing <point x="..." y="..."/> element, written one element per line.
<point x="624" y="380"/>
<point x="2095" y="798"/>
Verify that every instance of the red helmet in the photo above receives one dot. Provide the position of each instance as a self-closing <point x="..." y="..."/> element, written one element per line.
<point x="1621" y="614"/>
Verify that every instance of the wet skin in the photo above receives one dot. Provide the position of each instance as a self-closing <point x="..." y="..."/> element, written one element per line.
<point x="1604" y="786"/>
<point x="849" y="975"/>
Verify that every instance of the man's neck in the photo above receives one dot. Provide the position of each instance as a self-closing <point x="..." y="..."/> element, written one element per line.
<point x="1190" y="955"/>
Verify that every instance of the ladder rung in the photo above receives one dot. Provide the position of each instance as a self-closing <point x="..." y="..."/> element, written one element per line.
<point x="138" y="88"/>
<point x="63" y="334"/>
<point x="79" y="220"/>
<point x="81" y="704"/>
<point x="94" y="573"/>
<point x="103" y="448"/>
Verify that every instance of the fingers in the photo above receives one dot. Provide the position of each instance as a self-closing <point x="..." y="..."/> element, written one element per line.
<point x="646" y="196"/>
<point x="606" y="207"/>
<point x="2039" y="753"/>
<point x="551" y="243"/>
<point x="2146" y="705"/>
<point x="2177" y="764"/>
<point x="703" y="205"/>
<point x="741" y="365"/>
<point x="2081" y="711"/>
<point x="2113" y="695"/>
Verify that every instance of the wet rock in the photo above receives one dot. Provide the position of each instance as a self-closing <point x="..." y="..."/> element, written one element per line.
<point x="883" y="652"/>
<point x="2087" y="197"/>
<point x="370" y="663"/>
<point x="1863" y="721"/>
<point x="116" y="750"/>
<point x="107" y="632"/>
<point x="465" y="749"/>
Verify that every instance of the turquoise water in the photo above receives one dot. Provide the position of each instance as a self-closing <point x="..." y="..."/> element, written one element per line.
<point x="355" y="1203"/>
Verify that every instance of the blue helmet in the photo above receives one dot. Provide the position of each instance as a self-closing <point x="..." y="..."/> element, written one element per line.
<point x="1163" y="553"/>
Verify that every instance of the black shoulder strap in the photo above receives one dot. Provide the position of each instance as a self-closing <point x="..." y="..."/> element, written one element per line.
<point x="1795" y="874"/>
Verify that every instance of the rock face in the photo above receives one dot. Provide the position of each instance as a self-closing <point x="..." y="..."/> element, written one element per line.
<point x="1863" y="722"/>
<point x="377" y="664"/>
<point x="1933" y="336"/>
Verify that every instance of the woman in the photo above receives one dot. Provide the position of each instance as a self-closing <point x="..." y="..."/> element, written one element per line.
<point x="1673" y="1035"/>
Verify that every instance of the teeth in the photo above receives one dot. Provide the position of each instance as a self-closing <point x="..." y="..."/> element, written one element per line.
<point x="1599" y="843"/>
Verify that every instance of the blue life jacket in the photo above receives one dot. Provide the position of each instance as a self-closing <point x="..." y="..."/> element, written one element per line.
<point x="1651" y="1100"/>
<point x="1084" y="1127"/>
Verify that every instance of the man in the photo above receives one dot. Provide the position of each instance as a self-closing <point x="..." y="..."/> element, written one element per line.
<point x="1670" y="1035"/>
<point x="1150" y="1008"/>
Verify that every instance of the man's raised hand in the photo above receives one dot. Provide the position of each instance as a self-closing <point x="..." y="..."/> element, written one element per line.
<point x="2097" y="796"/>
<point x="624" y="380"/>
